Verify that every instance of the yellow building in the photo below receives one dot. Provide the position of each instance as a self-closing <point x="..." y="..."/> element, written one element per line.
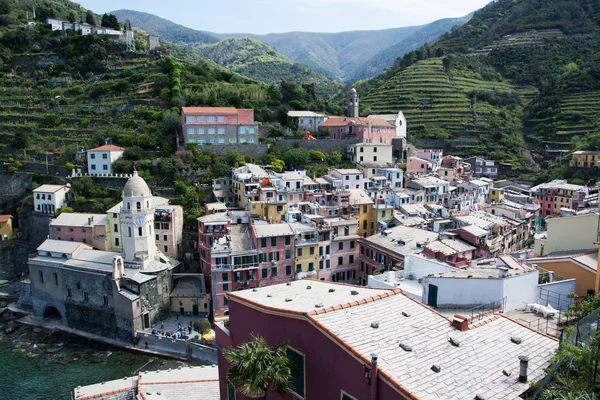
<point x="496" y="195"/>
<point x="576" y="232"/>
<point x="189" y="295"/>
<point x="585" y="159"/>
<point x="362" y="206"/>
<point x="6" y="229"/>
<point x="306" y="248"/>
<point x="382" y="213"/>
<point x="579" y="266"/>
<point x="272" y="211"/>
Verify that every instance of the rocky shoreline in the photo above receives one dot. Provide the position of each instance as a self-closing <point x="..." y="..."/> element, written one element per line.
<point x="56" y="347"/>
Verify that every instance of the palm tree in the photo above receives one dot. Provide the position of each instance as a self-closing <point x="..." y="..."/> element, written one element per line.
<point x="254" y="366"/>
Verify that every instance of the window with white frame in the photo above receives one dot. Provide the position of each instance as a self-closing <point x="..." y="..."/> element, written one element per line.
<point x="211" y="131"/>
<point x="251" y="140"/>
<point x="201" y="141"/>
<point x="211" y="141"/>
<point x="221" y="131"/>
<point x="200" y="119"/>
<point x="211" y="119"/>
<point x="201" y="131"/>
<point x="221" y="140"/>
<point x="251" y="130"/>
<point x="232" y="140"/>
<point x="221" y="119"/>
<point x="190" y="118"/>
<point x="191" y="131"/>
<point x="242" y="140"/>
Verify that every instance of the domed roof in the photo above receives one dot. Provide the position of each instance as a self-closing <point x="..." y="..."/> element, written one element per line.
<point x="136" y="186"/>
<point x="352" y="90"/>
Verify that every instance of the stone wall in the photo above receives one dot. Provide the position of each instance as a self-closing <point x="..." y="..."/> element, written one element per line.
<point x="325" y="145"/>
<point x="256" y="150"/>
<point x="13" y="259"/>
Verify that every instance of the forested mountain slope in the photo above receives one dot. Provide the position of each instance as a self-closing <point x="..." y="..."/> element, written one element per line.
<point x="525" y="69"/>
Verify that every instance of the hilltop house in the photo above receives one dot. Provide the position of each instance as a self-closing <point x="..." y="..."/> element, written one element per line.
<point x="101" y="159"/>
<point x="48" y="199"/>
<point x="366" y="130"/>
<point x="585" y="159"/>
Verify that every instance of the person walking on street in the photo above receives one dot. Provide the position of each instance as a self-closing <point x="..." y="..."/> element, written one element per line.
<point x="146" y="344"/>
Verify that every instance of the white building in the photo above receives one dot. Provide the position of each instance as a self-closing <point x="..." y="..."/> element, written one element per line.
<point x="370" y="152"/>
<point x="394" y="176"/>
<point x="101" y="158"/>
<point x="398" y="120"/>
<point x="479" y="190"/>
<point x="48" y="199"/>
<point x="308" y="120"/>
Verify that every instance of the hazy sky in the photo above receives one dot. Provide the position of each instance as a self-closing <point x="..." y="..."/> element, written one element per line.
<point x="264" y="16"/>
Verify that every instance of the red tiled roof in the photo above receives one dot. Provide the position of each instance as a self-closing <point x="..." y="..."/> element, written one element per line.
<point x="108" y="147"/>
<point x="214" y="110"/>
<point x="4" y="218"/>
<point x="359" y="121"/>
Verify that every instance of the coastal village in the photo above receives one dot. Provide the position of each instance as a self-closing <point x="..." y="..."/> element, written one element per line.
<point x="400" y="273"/>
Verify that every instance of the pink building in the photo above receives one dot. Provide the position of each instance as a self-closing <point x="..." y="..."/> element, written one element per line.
<point x="83" y="228"/>
<point x="348" y="342"/>
<point x="350" y="178"/>
<point x="433" y="155"/>
<point x="218" y="125"/>
<point x="366" y="130"/>
<point x="275" y="245"/>
<point x="419" y="166"/>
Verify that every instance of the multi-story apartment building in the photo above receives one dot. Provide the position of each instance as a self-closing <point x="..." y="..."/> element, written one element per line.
<point x="419" y="166"/>
<point x="585" y="159"/>
<point x="434" y="189"/>
<point x="245" y="183"/>
<point x="218" y="125"/>
<point x="480" y="167"/>
<point x="360" y="153"/>
<point x="306" y="249"/>
<point x="432" y="155"/>
<point x="477" y="189"/>
<point x="362" y="209"/>
<point x="366" y="130"/>
<point x="350" y="178"/>
<point x="552" y="196"/>
<point x="275" y="244"/>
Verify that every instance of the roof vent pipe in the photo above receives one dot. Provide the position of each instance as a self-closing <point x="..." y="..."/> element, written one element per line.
<point x="524" y="364"/>
<point x="374" y="373"/>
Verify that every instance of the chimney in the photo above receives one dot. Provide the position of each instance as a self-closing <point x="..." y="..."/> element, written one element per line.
<point x="460" y="322"/>
<point x="524" y="363"/>
<point x="374" y="373"/>
<point x="391" y="276"/>
<point x="502" y="271"/>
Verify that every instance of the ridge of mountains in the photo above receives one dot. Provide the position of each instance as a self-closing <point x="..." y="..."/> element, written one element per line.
<point x="344" y="56"/>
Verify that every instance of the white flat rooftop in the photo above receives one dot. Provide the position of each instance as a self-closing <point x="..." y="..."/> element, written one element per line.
<point x="297" y="297"/>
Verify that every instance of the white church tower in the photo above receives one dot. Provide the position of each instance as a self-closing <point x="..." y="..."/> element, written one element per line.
<point x="137" y="222"/>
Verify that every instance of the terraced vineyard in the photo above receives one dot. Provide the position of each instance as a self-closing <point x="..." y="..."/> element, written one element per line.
<point x="579" y="114"/>
<point x="57" y="116"/>
<point x="444" y="108"/>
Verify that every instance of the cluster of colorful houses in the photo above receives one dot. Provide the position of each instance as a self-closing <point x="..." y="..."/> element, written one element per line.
<point x="357" y="269"/>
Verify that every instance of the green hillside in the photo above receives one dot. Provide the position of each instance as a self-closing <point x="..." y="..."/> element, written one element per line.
<point x="256" y="60"/>
<point x="385" y="58"/>
<point x="164" y="28"/>
<point x="518" y="70"/>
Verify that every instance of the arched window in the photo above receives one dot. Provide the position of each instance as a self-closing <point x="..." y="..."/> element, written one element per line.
<point x="128" y="205"/>
<point x="129" y="231"/>
<point x="140" y="231"/>
<point x="138" y="205"/>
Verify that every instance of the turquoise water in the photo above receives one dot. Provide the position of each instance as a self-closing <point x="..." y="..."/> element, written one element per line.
<point x="53" y="376"/>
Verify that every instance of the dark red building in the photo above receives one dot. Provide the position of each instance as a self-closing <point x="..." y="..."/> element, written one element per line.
<point x="348" y="342"/>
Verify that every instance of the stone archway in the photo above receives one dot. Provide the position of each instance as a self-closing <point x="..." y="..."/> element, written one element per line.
<point x="51" y="312"/>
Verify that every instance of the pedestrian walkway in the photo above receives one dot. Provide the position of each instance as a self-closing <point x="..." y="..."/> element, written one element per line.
<point x="173" y="324"/>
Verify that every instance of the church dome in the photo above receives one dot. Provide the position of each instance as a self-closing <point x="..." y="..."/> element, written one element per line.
<point x="136" y="186"/>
